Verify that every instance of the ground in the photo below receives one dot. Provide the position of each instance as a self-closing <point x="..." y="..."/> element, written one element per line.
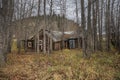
<point x="62" y="65"/>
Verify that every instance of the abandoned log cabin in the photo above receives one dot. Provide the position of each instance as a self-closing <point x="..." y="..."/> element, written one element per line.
<point x="55" y="40"/>
<point x="28" y="29"/>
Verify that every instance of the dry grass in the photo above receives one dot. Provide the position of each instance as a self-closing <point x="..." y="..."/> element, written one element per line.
<point x="63" y="65"/>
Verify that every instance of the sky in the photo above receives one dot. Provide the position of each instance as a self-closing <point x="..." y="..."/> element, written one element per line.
<point x="70" y="8"/>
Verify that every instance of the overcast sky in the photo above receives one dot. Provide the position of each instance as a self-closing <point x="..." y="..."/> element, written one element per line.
<point x="70" y="8"/>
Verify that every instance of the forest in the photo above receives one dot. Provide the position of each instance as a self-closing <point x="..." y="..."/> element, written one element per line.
<point x="59" y="39"/>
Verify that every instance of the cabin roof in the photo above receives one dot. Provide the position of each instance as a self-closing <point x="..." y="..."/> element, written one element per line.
<point x="58" y="35"/>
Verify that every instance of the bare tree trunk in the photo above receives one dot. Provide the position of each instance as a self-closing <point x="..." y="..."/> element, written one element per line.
<point x="51" y="41"/>
<point x="51" y="7"/>
<point x="108" y="25"/>
<point x="63" y="11"/>
<point x="2" y="57"/>
<point x="112" y="24"/>
<point x="101" y="26"/>
<point x="62" y="20"/>
<point x="118" y="29"/>
<point x="77" y="19"/>
<point x="50" y="48"/>
<point x="37" y="27"/>
<point x="63" y="30"/>
<point x="94" y="26"/>
<point x="118" y="38"/>
<point x="44" y="29"/>
<point x="89" y="30"/>
<point x="39" y="3"/>
<point x="6" y="12"/>
<point x="83" y="28"/>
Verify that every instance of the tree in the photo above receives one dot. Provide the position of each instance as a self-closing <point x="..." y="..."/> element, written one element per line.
<point x="63" y="20"/>
<point x="6" y="14"/>
<point x="50" y="45"/>
<point x="89" y="30"/>
<point x="101" y="27"/>
<point x="83" y="28"/>
<point x="77" y="20"/>
<point x="37" y="27"/>
<point x="107" y="24"/>
<point x="44" y="28"/>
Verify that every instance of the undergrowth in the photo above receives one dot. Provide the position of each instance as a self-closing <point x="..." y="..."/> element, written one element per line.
<point x="63" y="65"/>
